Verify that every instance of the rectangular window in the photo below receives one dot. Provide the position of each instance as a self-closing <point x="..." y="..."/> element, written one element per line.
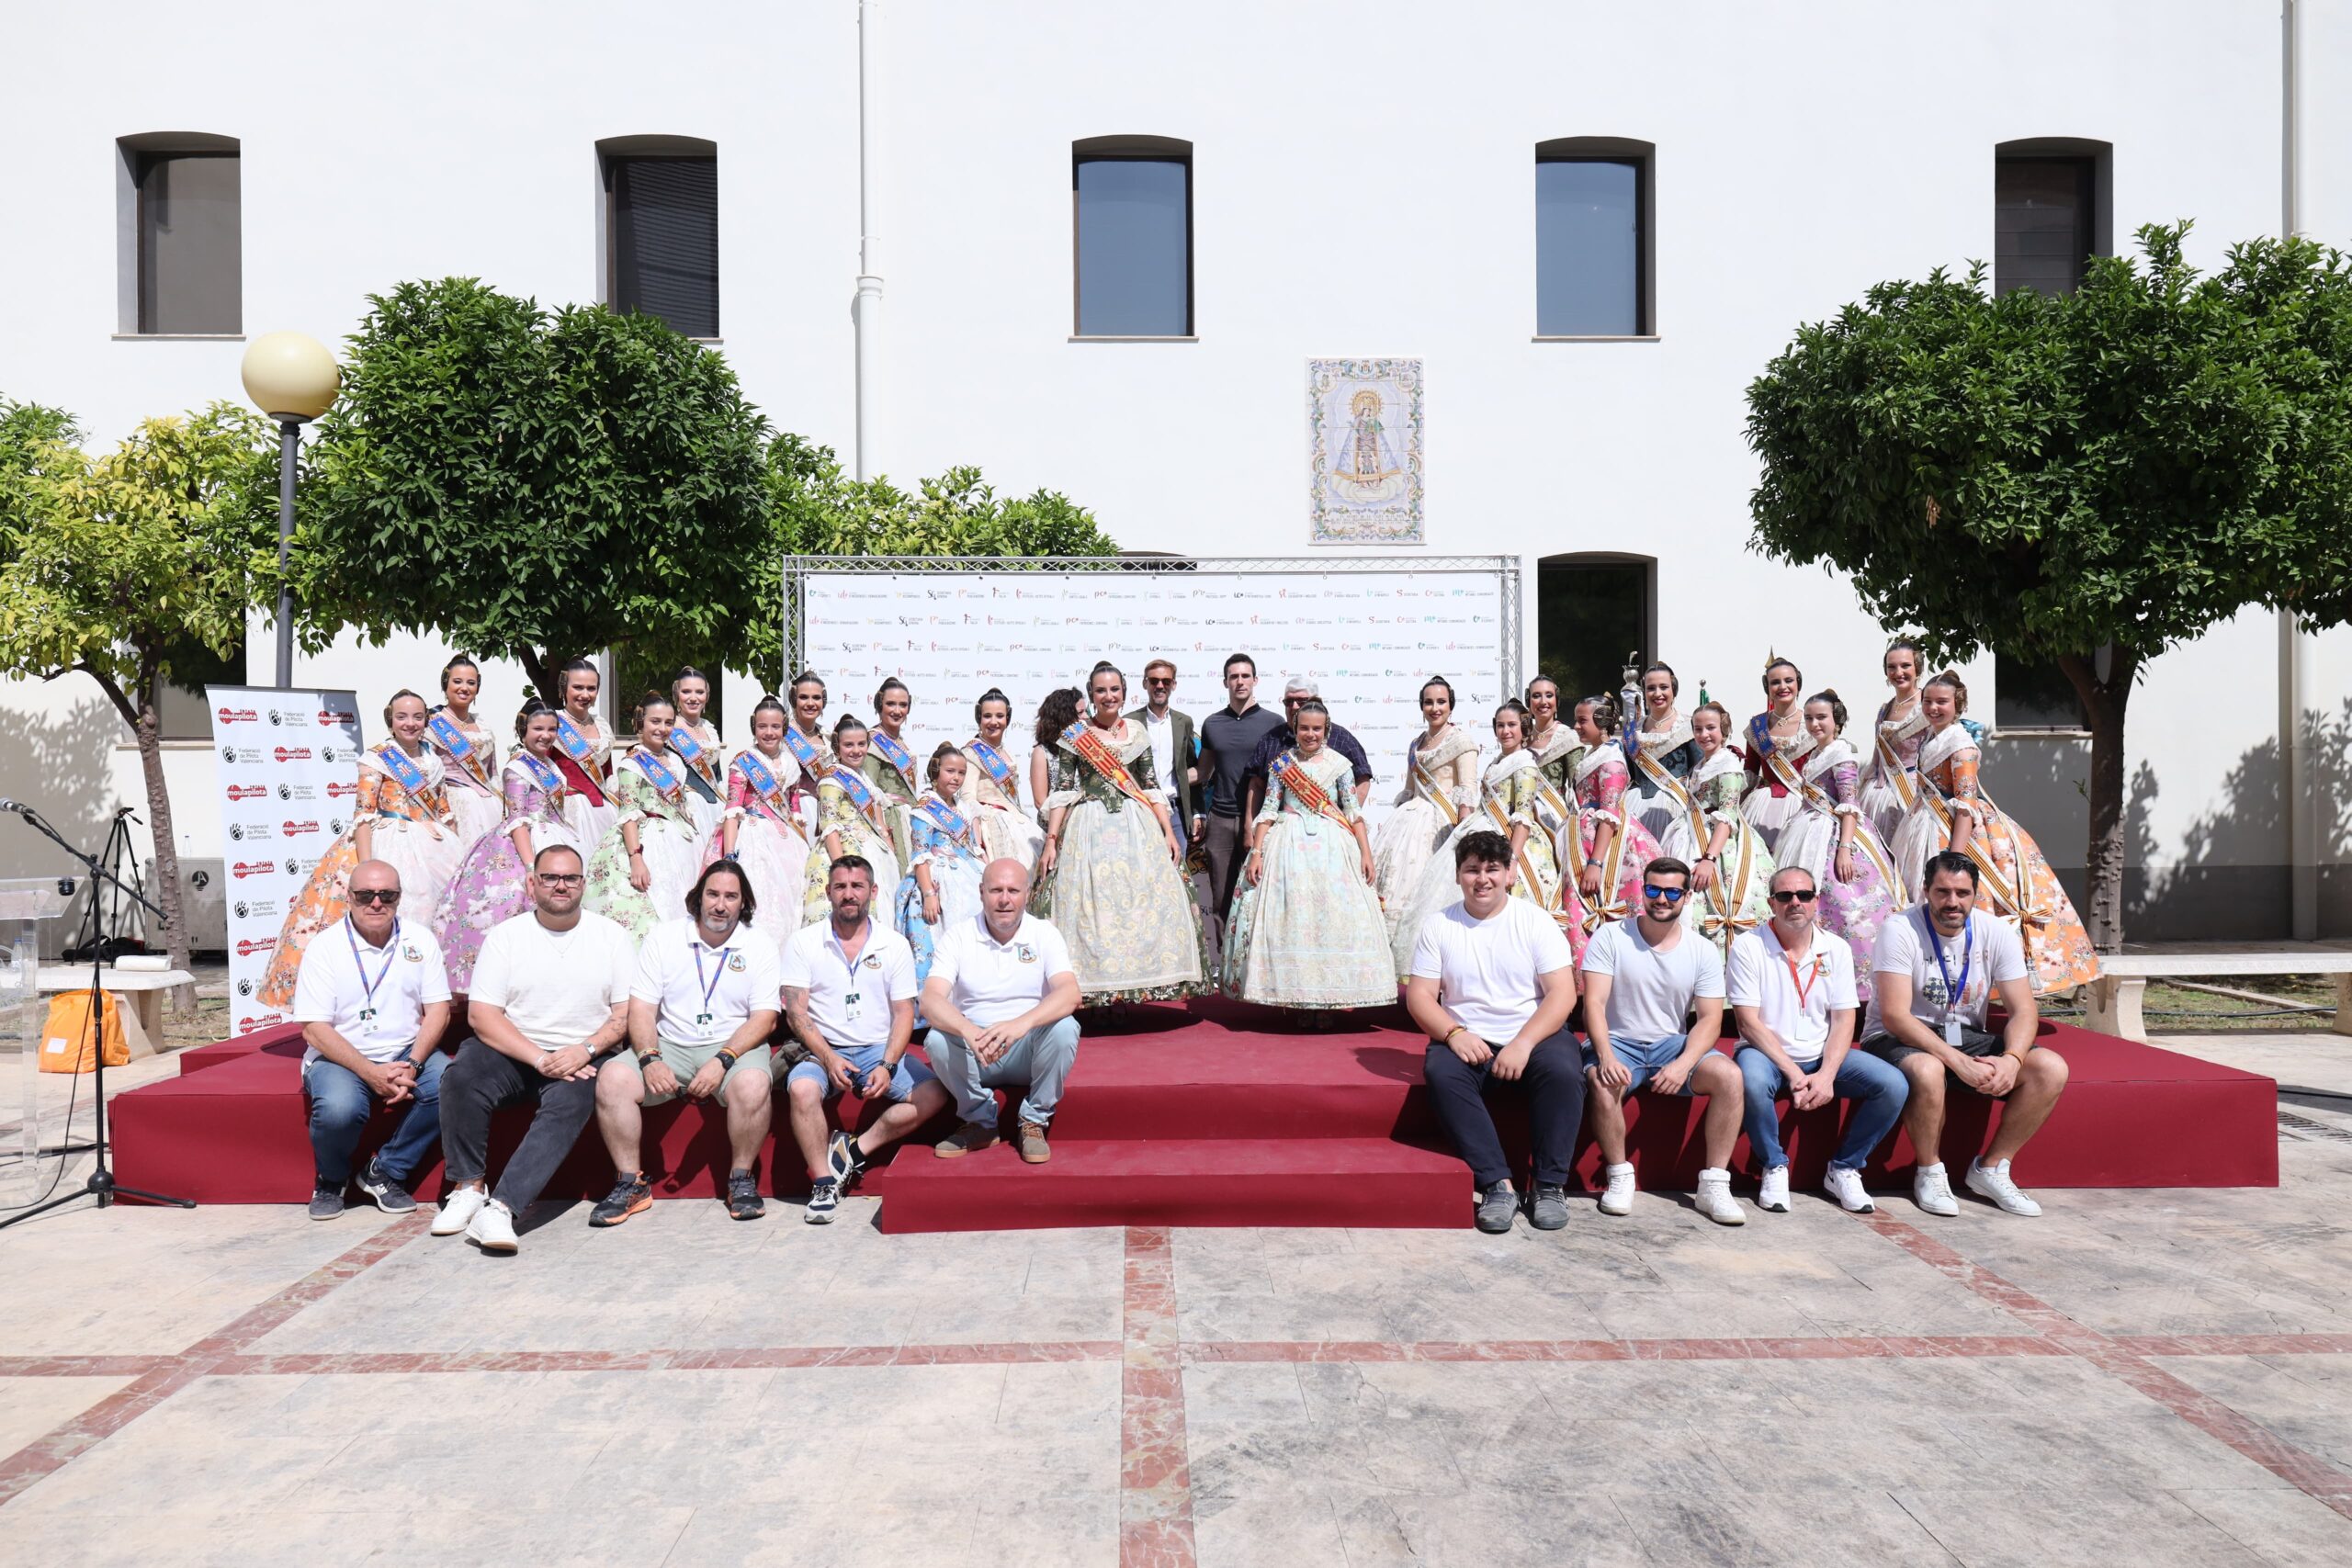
<point x="1135" y="246"/>
<point x="191" y="277"/>
<point x="1588" y="612"/>
<point x="2042" y="212"/>
<point x="180" y="713"/>
<point x="2029" y="694"/>
<point x="665" y="237"/>
<point x="1589" y="231"/>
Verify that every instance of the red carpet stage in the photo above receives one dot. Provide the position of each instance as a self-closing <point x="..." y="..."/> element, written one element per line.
<point x="1217" y="1115"/>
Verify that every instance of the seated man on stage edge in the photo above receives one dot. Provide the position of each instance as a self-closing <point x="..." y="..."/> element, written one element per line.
<point x="1492" y="982"/>
<point x="1000" y="998"/>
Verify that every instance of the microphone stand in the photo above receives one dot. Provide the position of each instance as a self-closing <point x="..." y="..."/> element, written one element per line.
<point x="100" y="1183"/>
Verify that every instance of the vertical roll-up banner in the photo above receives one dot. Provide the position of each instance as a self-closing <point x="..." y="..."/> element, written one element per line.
<point x="288" y="762"/>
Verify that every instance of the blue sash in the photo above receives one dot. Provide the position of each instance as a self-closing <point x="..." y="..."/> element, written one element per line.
<point x="453" y="739"/>
<point x="854" y="787"/>
<point x="396" y="762"/>
<point x="946" y="819"/>
<point x="1760" y="735"/>
<point x="545" y="777"/>
<point x="803" y="749"/>
<point x="897" y="756"/>
<point x="652" y="766"/>
<point x="690" y="752"/>
<point x="993" y="761"/>
<point x="575" y="745"/>
<point x="757" y="774"/>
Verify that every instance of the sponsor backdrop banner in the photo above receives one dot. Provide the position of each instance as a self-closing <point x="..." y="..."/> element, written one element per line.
<point x="288" y="779"/>
<point x="1368" y="639"/>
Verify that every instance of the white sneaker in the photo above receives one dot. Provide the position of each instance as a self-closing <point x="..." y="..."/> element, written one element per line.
<point x="1773" y="1197"/>
<point x="493" y="1230"/>
<point x="1714" y="1200"/>
<point x="1846" y="1186"/>
<point x="1992" y="1182"/>
<point x="459" y="1209"/>
<point x="1617" y="1198"/>
<point x="1932" y="1192"/>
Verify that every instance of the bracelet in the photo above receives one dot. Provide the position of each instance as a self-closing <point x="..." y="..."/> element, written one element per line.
<point x="1447" y="1038"/>
<point x="725" y="1058"/>
<point x="649" y="1055"/>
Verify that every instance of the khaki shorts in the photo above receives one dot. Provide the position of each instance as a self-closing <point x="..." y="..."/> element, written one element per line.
<point x="686" y="1061"/>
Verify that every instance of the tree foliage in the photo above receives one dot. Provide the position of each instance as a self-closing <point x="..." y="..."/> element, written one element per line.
<point x="28" y="433"/>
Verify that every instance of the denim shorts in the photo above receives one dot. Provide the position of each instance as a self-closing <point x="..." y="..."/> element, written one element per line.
<point x="862" y="1060"/>
<point x="1643" y="1060"/>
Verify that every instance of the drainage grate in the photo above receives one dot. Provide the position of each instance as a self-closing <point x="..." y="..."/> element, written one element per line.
<point x="2306" y="1127"/>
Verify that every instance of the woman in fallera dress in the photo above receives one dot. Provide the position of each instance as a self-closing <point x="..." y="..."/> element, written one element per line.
<point x="1731" y="871"/>
<point x="1108" y="876"/>
<point x="1551" y="739"/>
<point x="891" y="766"/>
<point x="1778" y="745"/>
<point x="401" y="815"/>
<point x="1890" y="772"/>
<point x="992" y="793"/>
<point x="492" y="885"/>
<point x="805" y="739"/>
<point x="1063" y="706"/>
<point x="1832" y="839"/>
<point x="583" y="755"/>
<point x="695" y="750"/>
<point x="1440" y="788"/>
<point x="1509" y="803"/>
<point x="1611" y="847"/>
<point x="849" y="821"/>
<point x="1307" y="930"/>
<point x="2015" y="881"/>
<point x="639" y="873"/>
<point x="943" y="882"/>
<point x="469" y="752"/>
<point x="760" y="829"/>
<point x="1663" y="749"/>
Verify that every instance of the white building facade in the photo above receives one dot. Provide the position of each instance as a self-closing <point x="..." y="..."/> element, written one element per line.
<point x="898" y="268"/>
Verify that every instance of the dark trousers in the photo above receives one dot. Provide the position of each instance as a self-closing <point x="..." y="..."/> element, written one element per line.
<point x="1229" y="853"/>
<point x="482" y="1080"/>
<point x="1552" y="1087"/>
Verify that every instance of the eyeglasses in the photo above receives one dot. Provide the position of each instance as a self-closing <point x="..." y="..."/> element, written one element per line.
<point x="387" y="897"/>
<point x="560" y="878"/>
<point x="1796" y="895"/>
<point x="1671" y="895"/>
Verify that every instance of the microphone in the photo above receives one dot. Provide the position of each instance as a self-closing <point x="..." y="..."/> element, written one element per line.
<point x="18" y="807"/>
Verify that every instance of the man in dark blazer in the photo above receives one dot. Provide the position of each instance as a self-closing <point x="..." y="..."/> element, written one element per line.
<point x="1175" y="753"/>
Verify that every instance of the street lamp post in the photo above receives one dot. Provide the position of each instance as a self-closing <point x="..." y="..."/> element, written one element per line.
<point x="292" y="378"/>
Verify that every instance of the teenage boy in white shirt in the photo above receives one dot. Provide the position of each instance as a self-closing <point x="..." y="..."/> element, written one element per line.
<point x="1000" y="998"/>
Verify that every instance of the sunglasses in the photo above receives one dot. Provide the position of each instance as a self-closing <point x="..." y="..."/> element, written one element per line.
<point x="1160" y="679"/>
<point x="1796" y="895"/>
<point x="388" y="896"/>
<point x="1671" y="895"/>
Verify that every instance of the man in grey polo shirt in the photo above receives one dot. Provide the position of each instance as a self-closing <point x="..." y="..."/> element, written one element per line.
<point x="1000" y="997"/>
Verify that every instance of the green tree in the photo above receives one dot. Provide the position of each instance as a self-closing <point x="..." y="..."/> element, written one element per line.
<point x="534" y="485"/>
<point x="2086" y="479"/>
<point x="130" y="560"/>
<point x="29" y="435"/>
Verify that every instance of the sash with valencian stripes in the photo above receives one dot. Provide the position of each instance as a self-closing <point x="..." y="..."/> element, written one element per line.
<point x="694" y="753"/>
<point x="804" y="751"/>
<point x="1865" y="840"/>
<point x="1525" y="866"/>
<point x="1307" y="793"/>
<point x="769" y="790"/>
<point x="576" y="760"/>
<point x="948" y="820"/>
<point x="1096" y="753"/>
<point x="1431" y="789"/>
<point x="2008" y="896"/>
<point x="900" y="758"/>
<point x="1767" y="751"/>
<point x="992" y="763"/>
<point x="1609" y="904"/>
<point x="461" y="749"/>
<point x="424" y="796"/>
<point x="1726" y="893"/>
<point x="861" y="796"/>
<point x="1897" y="773"/>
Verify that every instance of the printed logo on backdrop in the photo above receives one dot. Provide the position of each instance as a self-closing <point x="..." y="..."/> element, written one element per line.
<point x="1364" y="444"/>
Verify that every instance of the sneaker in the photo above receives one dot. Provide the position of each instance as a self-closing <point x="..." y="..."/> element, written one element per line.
<point x="1498" y="1208"/>
<point x="1846" y="1186"/>
<point x="1548" y="1209"/>
<point x="844" y="1162"/>
<point x="1617" y="1197"/>
<point x="969" y="1138"/>
<point x="493" y="1230"/>
<point x="1773" y="1196"/>
<point x="1034" y="1150"/>
<point x="459" y="1209"/>
<point x="1932" y="1192"/>
<point x="743" y="1197"/>
<point x="1992" y="1182"/>
<point x="1713" y="1199"/>
<point x="824" y="1197"/>
<point x="389" y="1194"/>
<point x="630" y="1195"/>
<point x="326" y="1203"/>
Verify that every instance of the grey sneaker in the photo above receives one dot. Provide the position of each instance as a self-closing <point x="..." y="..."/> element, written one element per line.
<point x="1548" y="1209"/>
<point x="388" y="1195"/>
<point x="743" y="1196"/>
<point x="326" y="1203"/>
<point x="824" y="1197"/>
<point x="844" y="1161"/>
<point x="1497" y="1208"/>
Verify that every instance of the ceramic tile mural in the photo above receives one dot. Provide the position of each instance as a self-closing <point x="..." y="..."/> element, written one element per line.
<point x="1363" y="423"/>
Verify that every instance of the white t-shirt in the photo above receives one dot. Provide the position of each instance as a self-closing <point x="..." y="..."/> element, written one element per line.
<point x="1161" y="733"/>
<point x="850" y="1004"/>
<point x="1650" y="992"/>
<point x="1986" y="952"/>
<point x="332" y="987"/>
<point x="558" y="988"/>
<point x="1760" y="978"/>
<point x="1489" y="972"/>
<point x="990" y="981"/>
<point x="705" y="992"/>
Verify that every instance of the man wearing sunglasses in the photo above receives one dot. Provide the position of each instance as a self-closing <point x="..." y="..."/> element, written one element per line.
<point x="1793" y="993"/>
<point x="372" y="998"/>
<point x="1173" y="750"/>
<point x="1653" y="1012"/>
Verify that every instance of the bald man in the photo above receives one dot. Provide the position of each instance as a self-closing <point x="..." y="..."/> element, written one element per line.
<point x="999" y="998"/>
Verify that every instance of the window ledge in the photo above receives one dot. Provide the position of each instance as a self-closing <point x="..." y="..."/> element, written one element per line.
<point x="706" y="340"/>
<point x="2037" y="732"/>
<point x="179" y="337"/>
<point x="1606" y="337"/>
<point x="1114" y="337"/>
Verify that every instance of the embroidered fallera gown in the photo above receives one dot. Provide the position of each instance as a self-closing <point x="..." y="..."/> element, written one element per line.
<point x="475" y="798"/>
<point x="770" y="845"/>
<point x="666" y="835"/>
<point x="1771" y="803"/>
<point x="898" y="788"/>
<point x="1671" y="749"/>
<point x="492" y="883"/>
<point x="1311" y="934"/>
<point x="1132" y="928"/>
<point x="588" y="805"/>
<point x="861" y="834"/>
<point x="707" y="764"/>
<point x="1007" y="832"/>
<point x="1886" y="801"/>
<point x="1853" y="910"/>
<point x="1510" y="793"/>
<point x="946" y="841"/>
<point x="1407" y="842"/>
<point x="1556" y="752"/>
<point x="1737" y="898"/>
<point x="1603" y="794"/>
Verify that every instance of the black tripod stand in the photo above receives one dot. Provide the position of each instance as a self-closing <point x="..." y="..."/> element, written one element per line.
<point x="100" y="1183"/>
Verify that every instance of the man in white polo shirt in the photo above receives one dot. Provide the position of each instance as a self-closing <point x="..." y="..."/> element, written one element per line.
<point x="700" y="1011"/>
<point x="1792" y="992"/>
<point x="1000" y="997"/>
<point x="849" y="995"/>
<point x="372" y="998"/>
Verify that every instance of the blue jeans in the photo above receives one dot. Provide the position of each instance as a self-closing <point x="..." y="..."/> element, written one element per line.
<point x="862" y="1060"/>
<point x="1644" y="1059"/>
<point x="1038" y="1062"/>
<point x="340" y="1106"/>
<point x="1877" y="1089"/>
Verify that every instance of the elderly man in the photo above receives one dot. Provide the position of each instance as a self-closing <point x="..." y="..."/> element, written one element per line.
<point x="704" y="1003"/>
<point x="849" y="995"/>
<point x="1792" y="992"/>
<point x="1297" y="690"/>
<point x="549" y="1000"/>
<point x="1173" y="749"/>
<point x="1000" y="998"/>
<point x="1938" y="967"/>
<point x="372" y="999"/>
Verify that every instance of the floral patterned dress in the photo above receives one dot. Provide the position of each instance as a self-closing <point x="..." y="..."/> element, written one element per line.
<point x="1007" y="832"/>
<point x="1426" y="811"/>
<point x="1121" y="904"/>
<point x="1311" y="934"/>
<point x="474" y="786"/>
<point x="771" y="844"/>
<point x="647" y="791"/>
<point x="861" y="834"/>
<point x="1512" y="792"/>
<point x="1853" y="910"/>
<point x="947" y="841"/>
<point x="1603" y="790"/>
<point x="1738" y="896"/>
<point x="1774" y="792"/>
<point x="492" y="885"/>
<point x="1887" y="791"/>
<point x="410" y="828"/>
<point x="2014" y="878"/>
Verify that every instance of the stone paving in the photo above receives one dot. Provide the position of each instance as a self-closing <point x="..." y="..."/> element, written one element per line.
<point x="2141" y="1378"/>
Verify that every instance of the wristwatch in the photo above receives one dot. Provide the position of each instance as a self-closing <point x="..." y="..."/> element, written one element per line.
<point x="649" y="1055"/>
<point x="725" y="1058"/>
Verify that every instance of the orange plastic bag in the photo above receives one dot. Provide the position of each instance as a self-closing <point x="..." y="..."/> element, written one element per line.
<point x="66" y="1041"/>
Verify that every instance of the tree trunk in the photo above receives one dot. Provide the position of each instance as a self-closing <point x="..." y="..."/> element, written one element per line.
<point x="146" y="727"/>
<point x="2104" y="702"/>
<point x="540" y="667"/>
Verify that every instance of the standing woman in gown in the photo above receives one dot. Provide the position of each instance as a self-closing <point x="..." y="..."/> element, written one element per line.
<point x="1552" y="740"/>
<point x="583" y="755"/>
<point x="1611" y="848"/>
<point x="493" y="885"/>
<point x="693" y="746"/>
<point x="1441" y="789"/>
<point x="469" y="752"/>
<point x="761" y="830"/>
<point x="1731" y="871"/>
<point x="890" y="764"/>
<point x="1063" y="706"/>
<point x="804" y="737"/>
<point x="1891" y="772"/>
<point x="401" y="814"/>
<point x="1109" y="876"/>
<point x="943" y="882"/>
<point x="992" y="793"/>
<point x="1509" y="803"/>
<point x="849" y="821"/>
<point x="1307" y="930"/>
<point x="1778" y="744"/>
<point x="641" y="871"/>
<point x="1832" y="839"/>
<point x="1662" y="746"/>
<point x="2015" y="881"/>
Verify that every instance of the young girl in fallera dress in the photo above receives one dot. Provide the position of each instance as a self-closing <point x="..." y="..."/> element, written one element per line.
<point x="493" y="885"/>
<point x="992" y="793"/>
<point x="760" y="830"/>
<point x="1890" y="772"/>
<point x="583" y="754"/>
<point x="469" y="752"/>
<point x="1832" y="839"/>
<point x="1662" y="746"/>
<point x="1611" y="847"/>
<point x="695" y="751"/>
<point x="1440" y="788"/>
<point x="645" y="864"/>
<point x="1731" y="871"/>
<point x="849" y="822"/>
<point x="942" y="886"/>
<point x="1510" y="802"/>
